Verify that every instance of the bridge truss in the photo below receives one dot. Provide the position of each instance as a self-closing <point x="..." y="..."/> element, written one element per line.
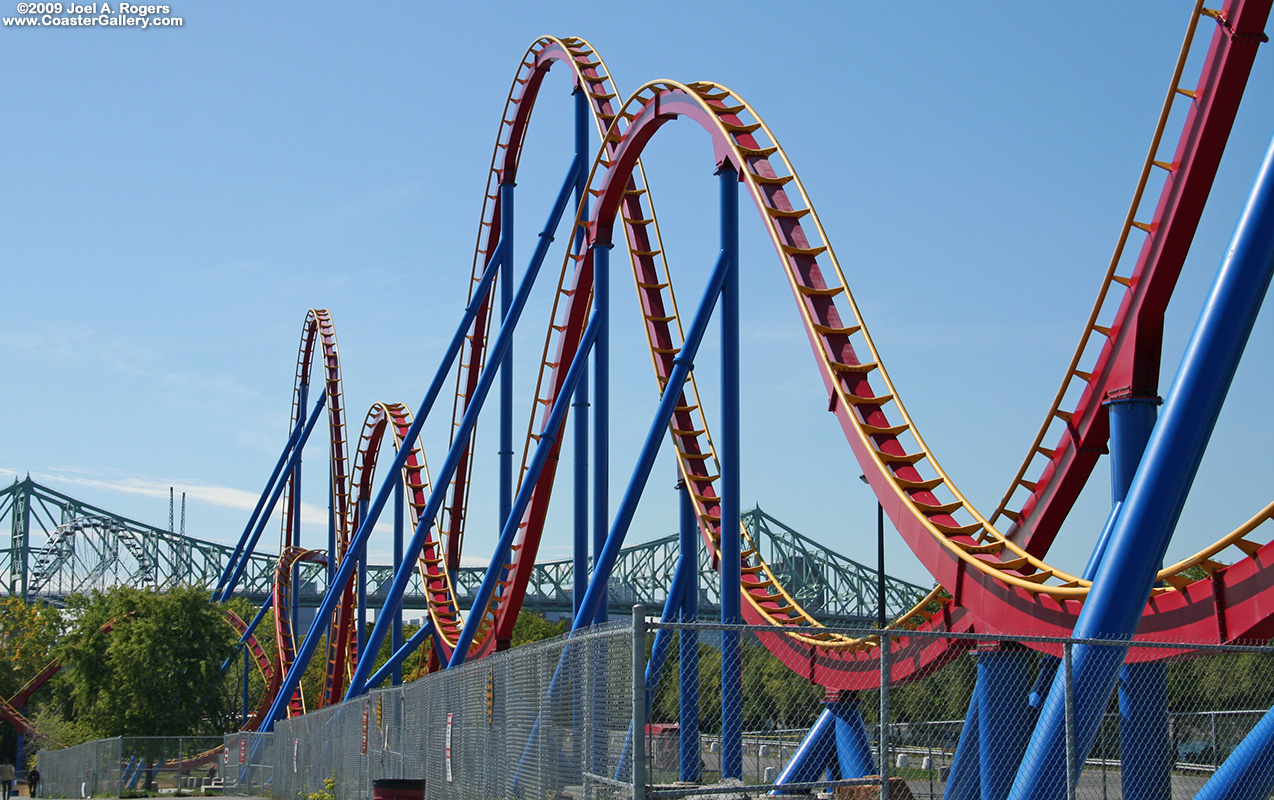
<point x="60" y="546"/>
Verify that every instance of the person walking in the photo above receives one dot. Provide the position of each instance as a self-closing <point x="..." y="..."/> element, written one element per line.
<point x="7" y="776"/>
<point x="33" y="782"/>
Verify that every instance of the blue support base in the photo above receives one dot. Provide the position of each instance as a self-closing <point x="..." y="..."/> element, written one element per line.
<point x="1004" y="717"/>
<point x="811" y="758"/>
<point x="837" y="744"/>
<point x="1144" y="741"/>
<point x="853" y="745"/>
<point x="688" y="651"/>
<point x="1248" y="774"/>
<point x="965" y="780"/>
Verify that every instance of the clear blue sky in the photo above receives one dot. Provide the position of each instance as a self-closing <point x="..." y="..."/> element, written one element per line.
<point x="174" y="200"/>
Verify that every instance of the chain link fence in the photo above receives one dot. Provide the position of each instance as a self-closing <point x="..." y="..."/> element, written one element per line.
<point x="536" y="721"/>
<point x="960" y="721"/>
<point x="129" y="766"/>
<point x="962" y="718"/>
<point x="247" y="765"/>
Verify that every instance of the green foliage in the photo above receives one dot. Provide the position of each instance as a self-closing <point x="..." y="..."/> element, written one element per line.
<point x="532" y="627"/>
<point x="27" y="635"/>
<point x="327" y="793"/>
<point x="1221" y="682"/>
<point x="774" y="696"/>
<point x="52" y="719"/>
<point x="158" y="673"/>
<point x="942" y="696"/>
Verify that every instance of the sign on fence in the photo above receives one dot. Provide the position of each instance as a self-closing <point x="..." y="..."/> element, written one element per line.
<point x="448" y="747"/>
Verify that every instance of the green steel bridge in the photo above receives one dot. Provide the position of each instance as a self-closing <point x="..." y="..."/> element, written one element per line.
<point x="61" y="546"/>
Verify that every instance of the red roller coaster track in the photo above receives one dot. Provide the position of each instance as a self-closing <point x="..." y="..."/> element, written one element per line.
<point x="990" y="580"/>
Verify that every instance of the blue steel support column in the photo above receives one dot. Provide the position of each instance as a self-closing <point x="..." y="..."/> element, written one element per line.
<point x="1248" y="774"/>
<point x="243" y="639"/>
<point x="839" y="731"/>
<point x="814" y="753"/>
<point x="1144" y="528"/>
<point x="601" y="412"/>
<point x="688" y="649"/>
<point x="1131" y="423"/>
<point x="228" y="590"/>
<point x="396" y="633"/>
<point x="853" y="746"/>
<point x="548" y="437"/>
<point x="506" y="363"/>
<point x="1144" y="742"/>
<point x="965" y="780"/>
<point x="1004" y="717"/>
<point x="345" y="570"/>
<point x="685" y="573"/>
<point x="395" y="662"/>
<point x="394" y="595"/>
<point x="580" y="406"/>
<point x="360" y="622"/>
<point x="655" y="435"/>
<point x="247" y="666"/>
<point x="601" y="494"/>
<point x="731" y="572"/>
<point x="580" y="561"/>
<point x="256" y="512"/>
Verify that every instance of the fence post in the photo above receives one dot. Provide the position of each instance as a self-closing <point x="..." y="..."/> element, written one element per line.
<point x="1069" y="685"/>
<point x="1215" y="760"/>
<point x="884" y="714"/>
<point x="639" y="702"/>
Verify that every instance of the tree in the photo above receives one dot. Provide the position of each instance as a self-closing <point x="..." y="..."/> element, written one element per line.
<point x="774" y="696"/>
<point x="531" y="627"/>
<point x="27" y="635"/>
<point x="158" y="673"/>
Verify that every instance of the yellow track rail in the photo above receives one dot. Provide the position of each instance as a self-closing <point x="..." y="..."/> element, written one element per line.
<point x="897" y="452"/>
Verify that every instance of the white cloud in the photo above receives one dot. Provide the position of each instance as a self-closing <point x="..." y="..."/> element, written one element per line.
<point x="222" y="496"/>
<point x="72" y="343"/>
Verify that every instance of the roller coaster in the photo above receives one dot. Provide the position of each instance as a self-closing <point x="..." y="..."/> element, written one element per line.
<point x="991" y="569"/>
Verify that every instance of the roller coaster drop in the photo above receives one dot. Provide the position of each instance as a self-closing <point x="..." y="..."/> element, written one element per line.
<point x="989" y="580"/>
